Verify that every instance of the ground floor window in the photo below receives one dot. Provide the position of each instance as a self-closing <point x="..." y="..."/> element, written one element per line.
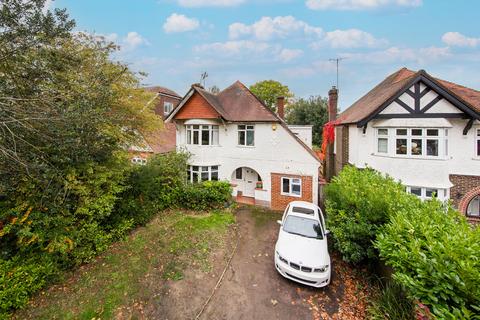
<point x="427" y="193"/>
<point x="473" y="209"/>
<point x="202" y="173"/>
<point x="139" y="161"/>
<point x="292" y="186"/>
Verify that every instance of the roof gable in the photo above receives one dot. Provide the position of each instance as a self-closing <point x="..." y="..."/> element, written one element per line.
<point x="403" y="82"/>
<point x="196" y="107"/>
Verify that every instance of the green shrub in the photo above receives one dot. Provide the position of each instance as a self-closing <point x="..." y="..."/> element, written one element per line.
<point x="359" y="202"/>
<point x="206" y="195"/>
<point x="435" y="255"/>
<point x="391" y="304"/>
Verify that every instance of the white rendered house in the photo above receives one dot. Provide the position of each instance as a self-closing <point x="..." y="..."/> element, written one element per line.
<point x="422" y="131"/>
<point x="232" y="136"/>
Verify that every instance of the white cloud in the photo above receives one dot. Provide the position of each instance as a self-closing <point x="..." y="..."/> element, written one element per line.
<point x="286" y="55"/>
<point x="359" y="4"/>
<point x="316" y="67"/>
<point x="459" y="40"/>
<point x="268" y="28"/>
<point x="209" y="3"/>
<point x="232" y="48"/>
<point x="351" y="38"/>
<point x="395" y="55"/>
<point x="133" y="40"/>
<point x="180" y="23"/>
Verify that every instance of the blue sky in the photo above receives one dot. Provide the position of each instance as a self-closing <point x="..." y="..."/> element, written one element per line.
<point x="291" y="41"/>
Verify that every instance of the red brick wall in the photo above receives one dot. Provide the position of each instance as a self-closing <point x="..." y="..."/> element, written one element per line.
<point x="464" y="189"/>
<point x="197" y="108"/>
<point x="279" y="201"/>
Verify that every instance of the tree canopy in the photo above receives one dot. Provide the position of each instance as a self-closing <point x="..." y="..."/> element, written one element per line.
<point x="269" y="90"/>
<point x="311" y="111"/>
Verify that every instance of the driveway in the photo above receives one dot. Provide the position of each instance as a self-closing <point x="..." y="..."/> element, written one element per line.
<point x="253" y="289"/>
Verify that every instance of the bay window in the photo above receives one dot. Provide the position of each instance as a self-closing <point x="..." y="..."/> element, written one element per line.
<point x="205" y="135"/>
<point x="246" y="135"/>
<point x="412" y="142"/>
<point x="292" y="187"/>
<point x="425" y="193"/>
<point x="202" y="173"/>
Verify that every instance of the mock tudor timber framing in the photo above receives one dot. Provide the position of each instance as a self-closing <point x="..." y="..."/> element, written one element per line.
<point x="417" y="112"/>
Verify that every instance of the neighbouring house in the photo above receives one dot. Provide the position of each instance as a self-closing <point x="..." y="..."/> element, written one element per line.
<point x="233" y="136"/>
<point x="422" y="131"/>
<point x="163" y="139"/>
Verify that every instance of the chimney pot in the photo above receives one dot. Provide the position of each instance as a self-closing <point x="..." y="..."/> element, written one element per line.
<point x="332" y="103"/>
<point x="281" y="107"/>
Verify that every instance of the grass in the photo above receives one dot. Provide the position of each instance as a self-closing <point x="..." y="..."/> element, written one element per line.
<point x="390" y="303"/>
<point x="135" y="268"/>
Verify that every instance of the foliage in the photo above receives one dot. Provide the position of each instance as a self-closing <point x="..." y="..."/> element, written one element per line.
<point x="311" y="111"/>
<point x="206" y="195"/>
<point x="269" y="90"/>
<point x="391" y="303"/>
<point x="435" y="256"/>
<point x="359" y="202"/>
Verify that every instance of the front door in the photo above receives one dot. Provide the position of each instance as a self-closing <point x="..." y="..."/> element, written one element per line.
<point x="250" y="178"/>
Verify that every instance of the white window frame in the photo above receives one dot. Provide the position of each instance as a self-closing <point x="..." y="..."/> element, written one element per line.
<point x="441" y="194"/>
<point x="392" y="137"/>
<point x="139" y="160"/>
<point x="477" y="142"/>
<point x="167" y="107"/>
<point x="211" y="171"/>
<point x="291" y="183"/>
<point x="192" y="129"/>
<point x="245" y="129"/>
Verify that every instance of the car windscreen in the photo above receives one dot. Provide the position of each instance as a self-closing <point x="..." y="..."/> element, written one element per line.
<point x="305" y="227"/>
<point x="303" y="210"/>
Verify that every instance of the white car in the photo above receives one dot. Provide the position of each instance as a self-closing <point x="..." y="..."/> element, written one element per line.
<point x="301" y="252"/>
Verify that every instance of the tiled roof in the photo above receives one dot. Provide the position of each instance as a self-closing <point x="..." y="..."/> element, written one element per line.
<point x="394" y="84"/>
<point x="162" y="140"/>
<point x="163" y="90"/>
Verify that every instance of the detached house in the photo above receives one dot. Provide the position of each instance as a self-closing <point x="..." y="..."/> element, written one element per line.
<point x="422" y="131"/>
<point x="233" y="136"/>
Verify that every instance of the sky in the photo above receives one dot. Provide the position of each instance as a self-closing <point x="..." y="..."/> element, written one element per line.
<point x="291" y="41"/>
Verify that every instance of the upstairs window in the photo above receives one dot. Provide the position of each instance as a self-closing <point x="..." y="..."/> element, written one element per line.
<point x="382" y="140"/>
<point x="167" y="107"/>
<point x="292" y="187"/>
<point x="246" y="135"/>
<point x="205" y="135"/>
<point x="477" y="143"/>
<point x="202" y="173"/>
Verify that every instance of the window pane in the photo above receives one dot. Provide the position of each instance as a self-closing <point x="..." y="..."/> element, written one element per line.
<point x="205" y="137"/>
<point x="189" y="174"/>
<point x="241" y="127"/>
<point x="204" y="176"/>
<point x="382" y="145"/>
<point x="195" y="137"/>
<point x="432" y="147"/>
<point x="238" y="174"/>
<point x="382" y="132"/>
<point x="474" y="207"/>
<point x="241" y="138"/>
<point x="417" y="132"/>
<point x="432" y="132"/>
<point x="215" y="136"/>
<point x="416" y="191"/>
<point x="250" y="138"/>
<point x="214" y="168"/>
<point x="194" y="176"/>
<point x="285" y="185"/>
<point x="250" y="127"/>
<point x="195" y="168"/>
<point x="401" y="146"/>
<point x="189" y="136"/>
<point x="205" y="169"/>
<point x="196" y="126"/>
<point x="296" y="189"/>
<point x="401" y="132"/>
<point x="416" y="147"/>
<point x="429" y="193"/>
<point x="478" y="147"/>
<point x="214" y="175"/>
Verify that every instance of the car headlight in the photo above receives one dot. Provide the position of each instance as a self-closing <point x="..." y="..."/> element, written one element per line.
<point x="282" y="258"/>
<point x="321" y="269"/>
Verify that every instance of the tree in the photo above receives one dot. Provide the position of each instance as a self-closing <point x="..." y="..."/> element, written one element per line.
<point x="214" y="89"/>
<point x="269" y="90"/>
<point x="311" y="111"/>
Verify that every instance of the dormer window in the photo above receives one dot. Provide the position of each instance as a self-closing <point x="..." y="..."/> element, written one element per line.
<point x="167" y="108"/>
<point x="205" y="135"/>
<point x="246" y="135"/>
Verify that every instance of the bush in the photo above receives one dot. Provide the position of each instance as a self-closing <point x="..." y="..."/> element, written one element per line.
<point x="206" y="195"/>
<point x="359" y="202"/>
<point x="391" y="304"/>
<point x="435" y="256"/>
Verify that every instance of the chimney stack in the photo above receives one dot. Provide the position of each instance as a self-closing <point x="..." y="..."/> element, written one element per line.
<point x="281" y="107"/>
<point x="332" y="103"/>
